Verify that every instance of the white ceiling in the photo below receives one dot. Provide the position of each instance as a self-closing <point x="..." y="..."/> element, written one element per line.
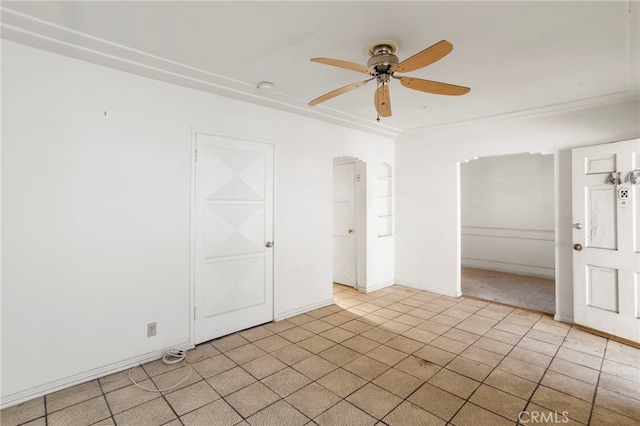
<point x="517" y="57"/>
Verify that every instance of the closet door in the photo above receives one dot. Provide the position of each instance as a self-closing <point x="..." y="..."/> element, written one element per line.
<point x="233" y="235"/>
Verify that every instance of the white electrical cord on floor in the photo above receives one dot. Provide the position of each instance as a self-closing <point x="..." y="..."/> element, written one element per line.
<point x="172" y="356"/>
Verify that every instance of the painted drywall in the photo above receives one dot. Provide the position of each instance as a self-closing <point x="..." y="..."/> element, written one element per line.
<point x="507" y="217"/>
<point x="428" y="191"/>
<point x="96" y="214"/>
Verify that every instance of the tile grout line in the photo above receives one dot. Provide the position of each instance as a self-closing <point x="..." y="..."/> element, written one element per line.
<point x="280" y="398"/>
<point x="203" y="379"/>
<point x="545" y="373"/>
<point x="224" y="397"/>
<point x="164" y="398"/>
<point x="538" y="384"/>
<point x="379" y="344"/>
<point x="494" y="368"/>
<point x="46" y="411"/>
<point x="442" y="368"/>
<point x="468" y="400"/>
<point x="565" y="393"/>
<point x="259" y="380"/>
<point x="378" y="322"/>
<point x="405" y="399"/>
<point x="338" y="366"/>
<point x="104" y="395"/>
<point x="595" y="391"/>
<point x="460" y="355"/>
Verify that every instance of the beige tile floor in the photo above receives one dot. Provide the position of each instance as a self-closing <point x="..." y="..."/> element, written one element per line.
<point x="397" y="356"/>
<point x="511" y="289"/>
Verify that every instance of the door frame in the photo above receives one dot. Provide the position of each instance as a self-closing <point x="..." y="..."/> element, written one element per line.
<point x="360" y="204"/>
<point x="556" y="206"/>
<point x="192" y="225"/>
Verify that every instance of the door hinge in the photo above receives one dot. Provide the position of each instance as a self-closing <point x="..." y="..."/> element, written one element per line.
<point x="196" y="154"/>
<point x="357" y="178"/>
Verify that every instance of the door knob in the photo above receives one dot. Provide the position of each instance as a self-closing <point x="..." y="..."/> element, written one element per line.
<point x="577" y="225"/>
<point x="350" y="231"/>
<point x="268" y="244"/>
<point x="577" y="247"/>
<point x="614" y="179"/>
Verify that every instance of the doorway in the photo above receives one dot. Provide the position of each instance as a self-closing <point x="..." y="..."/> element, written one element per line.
<point x="349" y="224"/>
<point x="507" y="230"/>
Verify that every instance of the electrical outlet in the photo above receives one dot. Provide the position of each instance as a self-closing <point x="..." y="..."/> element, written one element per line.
<point x="152" y="328"/>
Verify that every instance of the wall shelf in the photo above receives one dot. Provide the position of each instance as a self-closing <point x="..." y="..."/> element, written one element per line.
<point x="386" y="217"/>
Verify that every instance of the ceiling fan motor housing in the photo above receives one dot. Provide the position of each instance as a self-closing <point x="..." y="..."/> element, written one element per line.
<point x="382" y="58"/>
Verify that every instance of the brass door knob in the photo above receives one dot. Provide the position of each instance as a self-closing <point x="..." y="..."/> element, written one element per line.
<point x="577" y="247"/>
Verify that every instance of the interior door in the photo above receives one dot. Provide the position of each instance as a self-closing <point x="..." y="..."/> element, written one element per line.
<point x="233" y="235"/>
<point x="606" y="222"/>
<point x="344" y="224"/>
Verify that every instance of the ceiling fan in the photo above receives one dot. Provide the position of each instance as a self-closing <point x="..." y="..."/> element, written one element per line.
<point x="383" y="65"/>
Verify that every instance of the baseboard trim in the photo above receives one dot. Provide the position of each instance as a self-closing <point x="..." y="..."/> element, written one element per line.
<point x="563" y="318"/>
<point x="439" y="290"/>
<point x="379" y="286"/>
<point x="292" y="313"/>
<point x="76" y="379"/>
<point x="511" y="268"/>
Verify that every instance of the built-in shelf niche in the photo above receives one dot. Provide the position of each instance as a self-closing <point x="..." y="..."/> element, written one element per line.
<point x="385" y="201"/>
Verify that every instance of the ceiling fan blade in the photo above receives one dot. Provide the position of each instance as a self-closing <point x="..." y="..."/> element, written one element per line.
<point x="435" y="87"/>
<point x="344" y="64"/>
<point x="383" y="101"/>
<point x="337" y="92"/>
<point x="424" y="58"/>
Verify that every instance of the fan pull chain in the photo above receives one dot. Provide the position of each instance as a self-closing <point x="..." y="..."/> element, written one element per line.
<point x="377" y="113"/>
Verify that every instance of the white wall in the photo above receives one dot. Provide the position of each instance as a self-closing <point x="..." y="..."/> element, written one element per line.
<point x="507" y="216"/>
<point x="427" y="187"/>
<point x="96" y="214"/>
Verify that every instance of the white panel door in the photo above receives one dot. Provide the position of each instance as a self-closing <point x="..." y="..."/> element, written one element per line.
<point x="233" y="234"/>
<point x="606" y="224"/>
<point x="344" y="221"/>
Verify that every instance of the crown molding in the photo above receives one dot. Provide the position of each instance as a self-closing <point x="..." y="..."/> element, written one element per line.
<point x="611" y="99"/>
<point x="44" y="35"/>
<point x="34" y="32"/>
